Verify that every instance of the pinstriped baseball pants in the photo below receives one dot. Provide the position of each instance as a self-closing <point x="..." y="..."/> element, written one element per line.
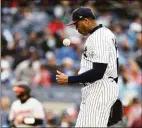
<point x="97" y="100"/>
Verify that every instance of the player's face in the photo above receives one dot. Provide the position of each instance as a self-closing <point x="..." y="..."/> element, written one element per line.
<point x="18" y="94"/>
<point x="82" y="26"/>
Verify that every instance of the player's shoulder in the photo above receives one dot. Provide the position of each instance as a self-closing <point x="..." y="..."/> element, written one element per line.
<point x="33" y="100"/>
<point x="103" y="31"/>
<point x="109" y="32"/>
<point x="15" y="103"/>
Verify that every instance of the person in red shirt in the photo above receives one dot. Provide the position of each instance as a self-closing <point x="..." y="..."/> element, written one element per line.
<point x="56" y="25"/>
<point x="43" y="78"/>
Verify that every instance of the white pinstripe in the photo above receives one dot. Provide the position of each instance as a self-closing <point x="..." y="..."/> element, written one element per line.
<point x="98" y="97"/>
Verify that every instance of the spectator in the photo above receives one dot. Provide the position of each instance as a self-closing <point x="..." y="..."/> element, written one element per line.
<point x="136" y="26"/>
<point x="68" y="66"/>
<point x="6" y="73"/>
<point x="43" y="78"/>
<point x="56" y="24"/>
<point x="27" y="69"/>
<point x="135" y="72"/>
<point x="33" y="40"/>
<point x="5" y="104"/>
<point x="66" y="52"/>
<point x="52" y="119"/>
<point x="122" y="40"/>
<point x="135" y="113"/>
<point x="105" y="19"/>
<point x="24" y="71"/>
<point x="67" y="119"/>
<point x="18" y="40"/>
<point x="52" y="65"/>
<point x="138" y="53"/>
<point x="137" y="123"/>
<point x="50" y="42"/>
<point x="24" y="55"/>
<point x="128" y="88"/>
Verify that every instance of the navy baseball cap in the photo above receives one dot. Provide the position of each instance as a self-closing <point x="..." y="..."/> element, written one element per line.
<point x="81" y="13"/>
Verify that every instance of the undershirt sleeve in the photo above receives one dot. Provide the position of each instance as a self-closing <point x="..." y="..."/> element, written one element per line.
<point x="91" y="75"/>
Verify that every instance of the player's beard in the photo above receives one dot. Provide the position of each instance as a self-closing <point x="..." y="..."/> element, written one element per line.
<point x="21" y="97"/>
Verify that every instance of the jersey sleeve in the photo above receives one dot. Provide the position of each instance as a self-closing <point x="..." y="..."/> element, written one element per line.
<point x="100" y="48"/>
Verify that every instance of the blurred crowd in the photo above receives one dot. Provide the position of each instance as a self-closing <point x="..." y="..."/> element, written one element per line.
<point x="32" y="50"/>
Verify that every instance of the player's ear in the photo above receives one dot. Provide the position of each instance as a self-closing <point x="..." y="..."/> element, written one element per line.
<point x="86" y="21"/>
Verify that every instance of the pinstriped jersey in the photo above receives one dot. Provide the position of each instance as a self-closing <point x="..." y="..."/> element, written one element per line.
<point x="100" y="47"/>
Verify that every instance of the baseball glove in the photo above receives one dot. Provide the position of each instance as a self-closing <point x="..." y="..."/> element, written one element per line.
<point x="116" y="113"/>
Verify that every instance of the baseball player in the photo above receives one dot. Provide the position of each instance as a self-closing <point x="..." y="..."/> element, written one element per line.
<point x="26" y="111"/>
<point x="98" y="70"/>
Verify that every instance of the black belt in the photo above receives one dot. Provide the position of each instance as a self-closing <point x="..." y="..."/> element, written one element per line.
<point x="86" y="84"/>
<point x="115" y="79"/>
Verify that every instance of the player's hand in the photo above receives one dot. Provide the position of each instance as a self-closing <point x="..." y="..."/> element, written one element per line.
<point x="61" y="78"/>
<point x="19" y="119"/>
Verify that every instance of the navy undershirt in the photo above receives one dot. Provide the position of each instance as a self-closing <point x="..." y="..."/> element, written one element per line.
<point x="91" y="75"/>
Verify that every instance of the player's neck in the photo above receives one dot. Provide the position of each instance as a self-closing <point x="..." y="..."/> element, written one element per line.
<point x="94" y="28"/>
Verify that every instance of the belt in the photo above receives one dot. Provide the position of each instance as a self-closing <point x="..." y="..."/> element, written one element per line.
<point x="115" y="79"/>
<point x="86" y="84"/>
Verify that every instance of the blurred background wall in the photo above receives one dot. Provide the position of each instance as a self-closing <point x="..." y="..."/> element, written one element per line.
<point x="31" y="49"/>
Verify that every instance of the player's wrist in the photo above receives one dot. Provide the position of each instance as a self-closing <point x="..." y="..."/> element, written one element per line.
<point x="67" y="79"/>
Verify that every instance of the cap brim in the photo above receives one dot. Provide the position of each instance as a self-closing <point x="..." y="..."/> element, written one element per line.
<point x="71" y="23"/>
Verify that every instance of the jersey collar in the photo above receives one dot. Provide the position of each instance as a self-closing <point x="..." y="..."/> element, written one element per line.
<point x="97" y="27"/>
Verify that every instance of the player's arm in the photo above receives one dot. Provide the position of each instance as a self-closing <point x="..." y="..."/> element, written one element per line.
<point x="90" y="76"/>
